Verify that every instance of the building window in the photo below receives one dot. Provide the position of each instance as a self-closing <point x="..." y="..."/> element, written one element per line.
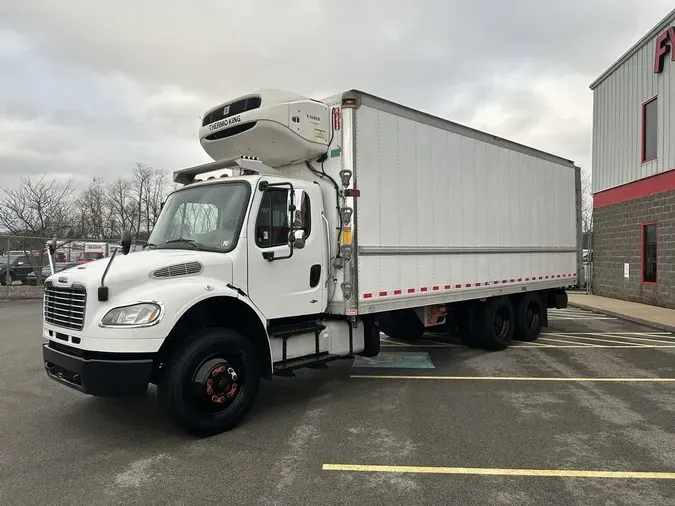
<point x="649" y="253"/>
<point x="649" y="130"/>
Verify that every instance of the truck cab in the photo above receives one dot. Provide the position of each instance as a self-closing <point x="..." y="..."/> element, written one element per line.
<point x="232" y="287"/>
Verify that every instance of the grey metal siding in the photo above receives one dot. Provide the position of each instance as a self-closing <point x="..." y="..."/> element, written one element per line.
<point x="617" y="120"/>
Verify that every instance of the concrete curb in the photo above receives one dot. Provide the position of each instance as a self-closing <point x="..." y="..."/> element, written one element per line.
<point x="631" y="318"/>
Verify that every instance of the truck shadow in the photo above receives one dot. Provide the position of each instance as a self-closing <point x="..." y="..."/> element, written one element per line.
<point x="132" y="420"/>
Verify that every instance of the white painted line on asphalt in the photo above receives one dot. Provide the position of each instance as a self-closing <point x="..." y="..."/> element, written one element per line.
<point x="515" y="378"/>
<point x="578" y="318"/>
<point x="597" y="339"/>
<point x="615" y="333"/>
<point x="547" y="339"/>
<point x="485" y="471"/>
<point x="645" y="339"/>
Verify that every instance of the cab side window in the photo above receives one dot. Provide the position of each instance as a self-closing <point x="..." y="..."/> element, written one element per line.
<point x="272" y="226"/>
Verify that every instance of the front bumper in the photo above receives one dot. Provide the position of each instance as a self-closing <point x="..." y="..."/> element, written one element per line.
<point x="103" y="375"/>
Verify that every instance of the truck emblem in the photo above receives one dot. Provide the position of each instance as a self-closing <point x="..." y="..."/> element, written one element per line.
<point x="226" y="110"/>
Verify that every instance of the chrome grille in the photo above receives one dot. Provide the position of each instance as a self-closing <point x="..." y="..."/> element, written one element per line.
<point x="64" y="307"/>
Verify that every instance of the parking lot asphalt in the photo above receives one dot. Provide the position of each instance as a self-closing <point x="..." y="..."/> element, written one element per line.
<point x="550" y="422"/>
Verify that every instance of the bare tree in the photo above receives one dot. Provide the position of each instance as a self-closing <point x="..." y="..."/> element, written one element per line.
<point x="154" y="196"/>
<point x="95" y="213"/>
<point x="140" y="183"/>
<point x="586" y="202"/>
<point x="38" y="208"/>
<point x="122" y="207"/>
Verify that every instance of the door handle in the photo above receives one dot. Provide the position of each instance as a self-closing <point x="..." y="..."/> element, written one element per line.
<point x="314" y="275"/>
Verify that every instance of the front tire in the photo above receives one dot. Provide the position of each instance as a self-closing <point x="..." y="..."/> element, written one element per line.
<point x="210" y="382"/>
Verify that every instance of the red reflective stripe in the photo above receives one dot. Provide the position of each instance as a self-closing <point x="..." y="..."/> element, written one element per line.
<point x="436" y="288"/>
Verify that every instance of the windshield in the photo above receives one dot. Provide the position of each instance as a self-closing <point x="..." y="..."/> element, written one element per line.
<point x="3" y="259"/>
<point x="205" y="217"/>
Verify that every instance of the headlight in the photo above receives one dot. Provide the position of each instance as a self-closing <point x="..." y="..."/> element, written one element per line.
<point x="146" y="313"/>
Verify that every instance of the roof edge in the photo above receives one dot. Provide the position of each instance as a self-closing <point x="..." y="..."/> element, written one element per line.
<point x="661" y="25"/>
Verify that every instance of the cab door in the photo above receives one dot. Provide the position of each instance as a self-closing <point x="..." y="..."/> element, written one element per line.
<point x="287" y="279"/>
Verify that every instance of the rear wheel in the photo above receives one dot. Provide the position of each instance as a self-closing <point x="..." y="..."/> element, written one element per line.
<point x="529" y="318"/>
<point x="210" y="382"/>
<point x="465" y="325"/>
<point x="495" y="323"/>
<point x="371" y="338"/>
<point x="402" y="324"/>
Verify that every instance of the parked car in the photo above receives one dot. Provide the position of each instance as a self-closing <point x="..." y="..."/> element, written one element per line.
<point x="88" y="256"/>
<point x="31" y="278"/>
<point x="16" y="268"/>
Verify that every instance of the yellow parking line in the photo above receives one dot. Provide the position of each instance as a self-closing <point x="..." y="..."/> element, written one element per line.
<point x="550" y="473"/>
<point x="514" y="378"/>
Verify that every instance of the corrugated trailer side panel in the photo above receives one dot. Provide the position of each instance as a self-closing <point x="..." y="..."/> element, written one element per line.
<point x="443" y="216"/>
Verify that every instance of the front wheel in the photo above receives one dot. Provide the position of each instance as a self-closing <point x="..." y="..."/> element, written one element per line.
<point x="210" y="382"/>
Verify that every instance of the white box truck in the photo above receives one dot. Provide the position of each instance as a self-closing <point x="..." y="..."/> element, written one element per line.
<point x="343" y="218"/>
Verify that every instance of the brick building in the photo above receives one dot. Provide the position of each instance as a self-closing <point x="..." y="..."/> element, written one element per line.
<point x="633" y="172"/>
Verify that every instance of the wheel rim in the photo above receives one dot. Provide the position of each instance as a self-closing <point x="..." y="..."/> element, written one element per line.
<point x="216" y="384"/>
<point x="501" y="323"/>
<point x="532" y="315"/>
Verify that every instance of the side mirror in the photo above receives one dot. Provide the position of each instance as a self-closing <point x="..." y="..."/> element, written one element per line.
<point x="298" y="238"/>
<point x="161" y="206"/>
<point x="125" y="242"/>
<point x="297" y="235"/>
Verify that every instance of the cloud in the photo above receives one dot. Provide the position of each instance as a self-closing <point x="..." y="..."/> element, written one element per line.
<point x="93" y="87"/>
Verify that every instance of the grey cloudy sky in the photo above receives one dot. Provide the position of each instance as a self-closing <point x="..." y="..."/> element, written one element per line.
<point x="89" y="88"/>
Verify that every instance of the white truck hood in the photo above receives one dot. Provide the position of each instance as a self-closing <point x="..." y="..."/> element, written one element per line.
<point x="131" y="270"/>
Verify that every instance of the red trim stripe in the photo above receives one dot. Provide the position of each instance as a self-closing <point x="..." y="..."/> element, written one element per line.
<point x="398" y="291"/>
<point x="651" y="185"/>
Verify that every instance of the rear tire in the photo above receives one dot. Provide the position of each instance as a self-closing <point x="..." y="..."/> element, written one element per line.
<point x="210" y="382"/>
<point x="529" y="318"/>
<point x="465" y="321"/>
<point x="495" y="322"/>
<point x="401" y="324"/>
<point x="371" y="338"/>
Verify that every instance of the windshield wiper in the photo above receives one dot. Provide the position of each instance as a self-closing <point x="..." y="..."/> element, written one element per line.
<point x="191" y="242"/>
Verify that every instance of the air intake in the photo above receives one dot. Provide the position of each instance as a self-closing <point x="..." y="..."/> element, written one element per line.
<point x="174" y="271"/>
